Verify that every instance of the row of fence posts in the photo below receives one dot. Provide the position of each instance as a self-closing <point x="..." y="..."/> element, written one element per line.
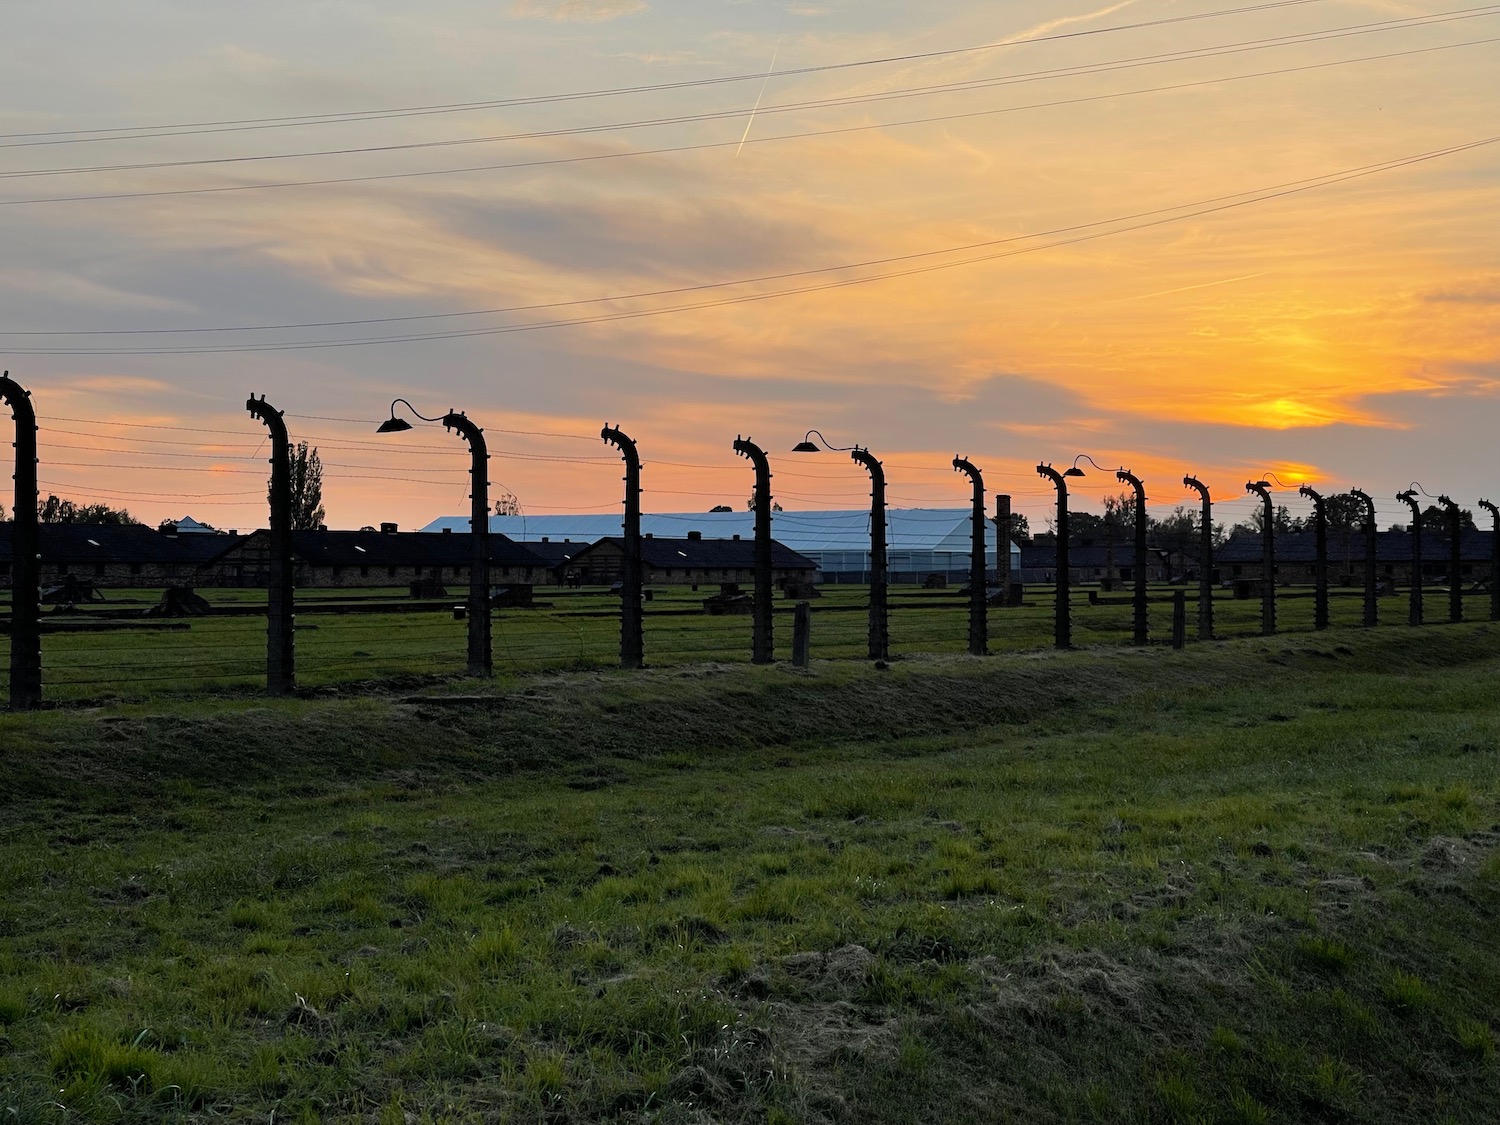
<point x="281" y="677"/>
<point x="1062" y="633"/>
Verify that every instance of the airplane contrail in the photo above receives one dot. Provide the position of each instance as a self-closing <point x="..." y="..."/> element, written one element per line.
<point x="1064" y="21"/>
<point x="764" y="83"/>
<point x="1201" y="285"/>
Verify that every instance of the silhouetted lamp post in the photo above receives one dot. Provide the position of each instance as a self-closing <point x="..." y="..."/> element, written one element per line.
<point x="1124" y="476"/>
<point x="879" y="648"/>
<point x="25" y="569"/>
<point x="979" y="640"/>
<point x="1206" y="561"/>
<point x="1262" y="489"/>
<point x="1372" y="608"/>
<point x="1414" y="613"/>
<point x="1062" y="627"/>
<point x="480" y="658"/>
<point x="1494" y="559"/>
<point x="281" y="645"/>
<point x="762" y="648"/>
<point x="1455" y="559"/>
<point x="1320" y="567"/>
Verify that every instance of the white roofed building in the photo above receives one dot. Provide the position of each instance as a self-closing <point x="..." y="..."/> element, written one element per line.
<point x="920" y="541"/>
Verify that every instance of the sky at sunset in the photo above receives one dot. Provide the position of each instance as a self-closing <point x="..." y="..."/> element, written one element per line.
<point x="1210" y="237"/>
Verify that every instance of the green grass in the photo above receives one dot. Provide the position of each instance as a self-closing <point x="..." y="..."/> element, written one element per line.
<point x="579" y="629"/>
<point x="1255" y="881"/>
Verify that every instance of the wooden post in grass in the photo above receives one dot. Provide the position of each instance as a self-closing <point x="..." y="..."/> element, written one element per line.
<point x="281" y="656"/>
<point x="25" y="569"/>
<point x="802" y="635"/>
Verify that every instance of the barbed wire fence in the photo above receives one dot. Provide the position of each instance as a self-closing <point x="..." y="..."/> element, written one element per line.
<point x="344" y="637"/>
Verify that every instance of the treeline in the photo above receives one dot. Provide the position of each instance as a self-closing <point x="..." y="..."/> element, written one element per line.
<point x="1345" y="512"/>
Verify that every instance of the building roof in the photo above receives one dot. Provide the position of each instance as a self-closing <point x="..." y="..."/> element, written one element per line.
<point x="709" y="554"/>
<point x="1038" y="557"/>
<point x="403" y="548"/>
<point x="809" y="531"/>
<point x="1390" y="547"/>
<point x="84" y="543"/>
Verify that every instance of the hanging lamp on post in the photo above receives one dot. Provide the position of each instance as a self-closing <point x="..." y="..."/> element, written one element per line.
<point x="480" y="659"/>
<point x="879" y="638"/>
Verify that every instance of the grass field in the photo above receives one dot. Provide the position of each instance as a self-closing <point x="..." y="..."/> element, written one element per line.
<point x="1253" y="881"/>
<point x="570" y="630"/>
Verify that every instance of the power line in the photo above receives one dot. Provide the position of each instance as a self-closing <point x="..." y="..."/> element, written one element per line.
<point x="774" y="109"/>
<point x="708" y="146"/>
<point x="255" y="123"/>
<point x="1188" y="211"/>
<point x="698" y="288"/>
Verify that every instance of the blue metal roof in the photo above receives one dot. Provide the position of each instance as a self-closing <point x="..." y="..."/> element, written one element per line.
<point x="813" y="533"/>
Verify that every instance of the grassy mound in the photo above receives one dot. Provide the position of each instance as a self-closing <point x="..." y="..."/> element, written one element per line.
<point x="1255" y="881"/>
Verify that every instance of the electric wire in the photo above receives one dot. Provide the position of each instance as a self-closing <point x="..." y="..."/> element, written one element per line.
<point x="702" y="147"/>
<point x="362" y="115"/>
<point x="775" y="109"/>
<point x="1190" y="211"/>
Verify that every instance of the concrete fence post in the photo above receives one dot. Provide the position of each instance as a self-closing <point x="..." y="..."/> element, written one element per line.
<point x="1414" y="611"/>
<point x="1267" y="556"/>
<point x="1206" y="561"/>
<point x="762" y="646"/>
<point x="1320" y="566"/>
<point x="281" y="652"/>
<point x="632" y="585"/>
<point x="1372" y="602"/>
<point x="1455" y="560"/>
<point x="26" y="567"/>
<point x="1494" y="559"/>
<point x="1141" y="612"/>
<point x="979" y="633"/>
<point x="1062" y="623"/>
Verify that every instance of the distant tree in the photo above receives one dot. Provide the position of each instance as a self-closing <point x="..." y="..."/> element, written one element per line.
<point x="167" y="526"/>
<point x="1282" y="521"/>
<point x="750" y="505"/>
<point x="55" y="509"/>
<point x="1020" y="527"/>
<point x="508" y="505"/>
<point x="1119" y="511"/>
<point x="1346" y="515"/>
<point x="2" y="511"/>
<point x="1344" y="510"/>
<point x="1434" y="517"/>
<point x="307" y="488"/>
<point x="1176" y="534"/>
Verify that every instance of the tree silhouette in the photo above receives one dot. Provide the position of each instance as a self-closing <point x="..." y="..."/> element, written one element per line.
<point x="307" y="488"/>
<point x="55" y="509"/>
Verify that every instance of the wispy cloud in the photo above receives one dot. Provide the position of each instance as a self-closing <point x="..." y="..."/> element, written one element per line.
<point x="576" y="11"/>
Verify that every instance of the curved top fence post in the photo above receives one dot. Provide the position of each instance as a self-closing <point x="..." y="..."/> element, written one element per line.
<point x="25" y="582"/>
